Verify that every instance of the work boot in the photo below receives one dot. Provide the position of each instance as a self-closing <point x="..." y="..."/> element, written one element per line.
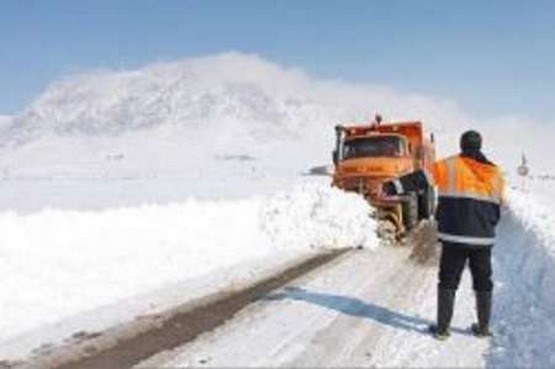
<point x="483" y="311"/>
<point x="445" y="304"/>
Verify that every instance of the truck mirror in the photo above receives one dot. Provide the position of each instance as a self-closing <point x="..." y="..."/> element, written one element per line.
<point x="334" y="156"/>
<point x="420" y="153"/>
<point x="432" y="138"/>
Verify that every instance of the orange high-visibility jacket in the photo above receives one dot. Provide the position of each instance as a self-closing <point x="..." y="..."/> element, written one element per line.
<point x="470" y="193"/>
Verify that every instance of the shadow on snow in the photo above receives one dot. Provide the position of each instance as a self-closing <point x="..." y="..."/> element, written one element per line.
<point x="358" y="308"/>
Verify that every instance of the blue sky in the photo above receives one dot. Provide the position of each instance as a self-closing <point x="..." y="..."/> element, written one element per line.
<point x="492" y="57"/>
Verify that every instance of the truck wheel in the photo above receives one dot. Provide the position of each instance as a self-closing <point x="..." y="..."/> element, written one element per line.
<point x="410" y="211"/>
<point x="426" y="203"/>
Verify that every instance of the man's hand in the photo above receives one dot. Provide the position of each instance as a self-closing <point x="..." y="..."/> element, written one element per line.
<point x="389" y="188"/>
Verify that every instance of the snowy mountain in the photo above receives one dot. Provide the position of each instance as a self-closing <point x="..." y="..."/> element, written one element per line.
<point x="203" y="91"/>
<point x="225" y="105"/>
<point x="155" y="119"/>
<point x="185" y="93"/>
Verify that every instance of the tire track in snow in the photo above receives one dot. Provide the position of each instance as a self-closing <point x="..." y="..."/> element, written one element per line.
<point x="144" y="338"/>
<point x="370" y="309"/>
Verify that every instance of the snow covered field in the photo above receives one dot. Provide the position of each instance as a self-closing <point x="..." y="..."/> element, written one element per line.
<point x="121" y="190"/>
<point x="59" y="263"/>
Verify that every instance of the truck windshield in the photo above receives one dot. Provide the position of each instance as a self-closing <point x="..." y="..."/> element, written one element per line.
<point x="388" y="146"/>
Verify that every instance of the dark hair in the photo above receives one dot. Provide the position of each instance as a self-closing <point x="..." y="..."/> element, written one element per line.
<point x="471" y="141"/>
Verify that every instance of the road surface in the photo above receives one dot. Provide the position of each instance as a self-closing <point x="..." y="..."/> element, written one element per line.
<point x="368" y="308"/>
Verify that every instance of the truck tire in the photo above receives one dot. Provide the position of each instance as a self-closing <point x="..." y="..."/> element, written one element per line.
<point x="426" y="203"/>
<point x="410" y="211"/>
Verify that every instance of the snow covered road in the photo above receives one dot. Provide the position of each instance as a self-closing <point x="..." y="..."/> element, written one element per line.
<point x="369" y="308"/>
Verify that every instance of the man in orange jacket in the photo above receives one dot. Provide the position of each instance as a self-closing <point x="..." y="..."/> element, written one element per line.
<point x="470" y="191"/>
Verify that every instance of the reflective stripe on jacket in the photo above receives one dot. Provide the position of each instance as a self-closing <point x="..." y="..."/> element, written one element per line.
<point x="470" y="193"/>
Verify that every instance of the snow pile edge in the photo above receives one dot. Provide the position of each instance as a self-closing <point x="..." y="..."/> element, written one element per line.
<point x="330" y="218"/>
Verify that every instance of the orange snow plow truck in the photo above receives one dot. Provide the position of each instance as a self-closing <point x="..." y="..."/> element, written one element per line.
<point x="366" y="156"/>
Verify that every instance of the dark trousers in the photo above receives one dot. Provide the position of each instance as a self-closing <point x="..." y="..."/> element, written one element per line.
<point x="453" y="260"/>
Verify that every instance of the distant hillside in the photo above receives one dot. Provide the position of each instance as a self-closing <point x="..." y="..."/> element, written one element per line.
<point x="266" y="98"/>
<point x="155" y="119"/>
<point x="193" y="93"/>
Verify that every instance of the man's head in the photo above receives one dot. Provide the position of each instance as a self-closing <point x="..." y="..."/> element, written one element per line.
<point x="471" y="141"/>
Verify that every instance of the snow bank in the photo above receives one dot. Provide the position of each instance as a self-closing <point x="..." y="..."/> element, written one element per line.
<point x="55" y="263"/>
<point x="536" y="222"/>
<point x="524" y="267"/>
<point x="536" y="217"/>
